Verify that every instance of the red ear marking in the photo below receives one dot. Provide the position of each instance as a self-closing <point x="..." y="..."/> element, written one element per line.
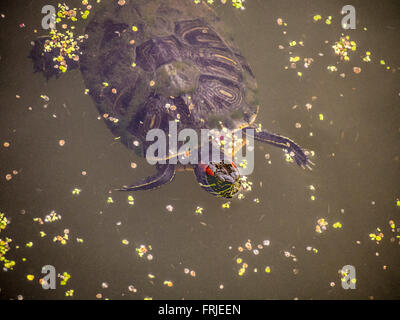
<point x="233" y="165"/>
<point x="209" y="171"/>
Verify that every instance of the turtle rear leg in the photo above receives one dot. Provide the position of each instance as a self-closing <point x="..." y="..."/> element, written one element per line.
<point x="294" y="150"/>
<point x="165" y="173"/>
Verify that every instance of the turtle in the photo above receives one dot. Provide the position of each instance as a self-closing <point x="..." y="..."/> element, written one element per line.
<point x="146" y="63"/>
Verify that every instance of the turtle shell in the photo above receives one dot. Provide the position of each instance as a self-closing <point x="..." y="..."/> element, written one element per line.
<point x="176" y="52"/>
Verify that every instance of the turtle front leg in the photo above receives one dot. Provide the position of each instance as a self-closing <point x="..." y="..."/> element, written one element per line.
<point x="294" y="150"/>
<point x="165" y="173"/>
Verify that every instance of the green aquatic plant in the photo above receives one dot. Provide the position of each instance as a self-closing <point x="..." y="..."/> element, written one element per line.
<point x="238" y="4"/>
<point x="5" y="245"/>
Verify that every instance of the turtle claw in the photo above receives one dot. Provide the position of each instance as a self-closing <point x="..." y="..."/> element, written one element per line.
<point x="293" y="150"/>
<point x="124" y="188"/>
<point x="309" y="168"/>
<point x="300" y="156"/>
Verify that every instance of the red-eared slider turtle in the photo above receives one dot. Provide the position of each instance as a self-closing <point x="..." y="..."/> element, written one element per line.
<point x="149" y="62"/>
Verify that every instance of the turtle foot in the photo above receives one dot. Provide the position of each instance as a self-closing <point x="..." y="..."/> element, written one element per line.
<point x="300" y="156"/>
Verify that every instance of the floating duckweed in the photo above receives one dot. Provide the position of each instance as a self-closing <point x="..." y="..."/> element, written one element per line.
<point x="377" y="236"/>
<point x="144" y="250"/>
<point x="29" y="244"/>
<point x="337" y="225"/>
<point x="168" y="283"/>
<point x="238" y="4"/>
<point x="321" y="225"/>
<point x="288" y="158"/>
<point x="332" y="68"/>
<point x="267" y="269"/>
<point x="64" y="45"/>
<point x="110" y="200"/>
<point x="134" y="29"/>
<point x="62" y="239"/>
<point x="317" y="17"/>
<point x="343" y="46"/>
<point x="30" y="277"/>
<point x="51" y="217"/>
<point x="69" y="293"/>
<point x="132" y="288"/>
<point x="329" y="20"/>
<point x="3" y="221"/>
<point x="76" y="191"/>
<point x="64" y="278"/>
<point x="367" y="57"/>
<point x="4" y="246"/>
<point x="226" y="205"/>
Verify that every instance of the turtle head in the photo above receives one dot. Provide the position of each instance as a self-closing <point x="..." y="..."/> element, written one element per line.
<point x="221" y="179"/>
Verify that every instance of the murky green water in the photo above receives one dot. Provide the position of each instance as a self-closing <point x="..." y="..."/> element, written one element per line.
<point x="356" y="175"/>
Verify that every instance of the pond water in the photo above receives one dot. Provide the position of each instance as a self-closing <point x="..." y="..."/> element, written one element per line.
<point x="350" y="121"/>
